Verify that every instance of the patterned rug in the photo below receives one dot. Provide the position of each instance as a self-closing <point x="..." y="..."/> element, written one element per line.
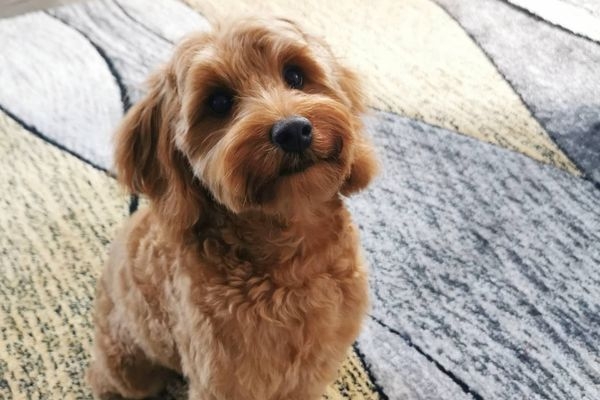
<point x="483" y="231"/>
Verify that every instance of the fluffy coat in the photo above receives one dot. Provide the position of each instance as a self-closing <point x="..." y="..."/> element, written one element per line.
<point x="244" y="273"/>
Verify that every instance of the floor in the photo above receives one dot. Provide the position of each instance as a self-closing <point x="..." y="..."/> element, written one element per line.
<point x="482" y="232"/>
<point x="9" y="8"/>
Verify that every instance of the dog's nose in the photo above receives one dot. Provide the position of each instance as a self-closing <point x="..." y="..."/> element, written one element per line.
<point x="293" y="134"/>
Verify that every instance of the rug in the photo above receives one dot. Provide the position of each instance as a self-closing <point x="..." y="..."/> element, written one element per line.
<point x="482" y="231"/>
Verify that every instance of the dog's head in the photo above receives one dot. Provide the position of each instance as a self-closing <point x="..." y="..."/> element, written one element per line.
<point x="257" y="113"/>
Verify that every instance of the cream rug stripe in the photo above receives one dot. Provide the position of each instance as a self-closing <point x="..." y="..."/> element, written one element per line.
<point x="425" y="67"/>
<point x="53" y="237"/>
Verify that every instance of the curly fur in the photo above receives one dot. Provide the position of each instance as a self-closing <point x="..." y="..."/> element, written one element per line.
<point x="244" y="274"/>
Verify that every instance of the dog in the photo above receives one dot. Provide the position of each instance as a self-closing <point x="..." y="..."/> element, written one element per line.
<point x="244" y="273"/>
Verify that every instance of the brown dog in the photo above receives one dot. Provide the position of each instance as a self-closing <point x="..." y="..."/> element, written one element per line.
<point x="244" y="274"/>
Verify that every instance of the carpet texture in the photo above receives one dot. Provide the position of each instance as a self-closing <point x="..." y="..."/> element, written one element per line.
<point x="482" y="232"/>
<point x="556" y="73"/>
<point x="581" y="17"/>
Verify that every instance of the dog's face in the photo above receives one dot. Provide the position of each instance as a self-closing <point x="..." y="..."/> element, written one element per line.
<point x="258" y="113"/>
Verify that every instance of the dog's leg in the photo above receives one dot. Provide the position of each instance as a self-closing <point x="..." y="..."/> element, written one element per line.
<point x="129" y="375"/>
<point x="119" y="366"/>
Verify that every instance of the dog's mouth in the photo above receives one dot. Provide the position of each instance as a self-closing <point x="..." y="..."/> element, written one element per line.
<point x="292" y="167"/>
<point x="296" y="163"/>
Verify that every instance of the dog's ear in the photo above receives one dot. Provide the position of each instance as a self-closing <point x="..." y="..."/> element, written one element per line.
<point x="137" y="138"/>
<point x="363" y="169"/>
<point x="146" y="158"/>
<point x="364" y="164"/>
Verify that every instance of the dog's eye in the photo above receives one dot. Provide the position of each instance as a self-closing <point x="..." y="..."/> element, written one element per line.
<point x="293" y="76"/>
<point x="220" y="102"/>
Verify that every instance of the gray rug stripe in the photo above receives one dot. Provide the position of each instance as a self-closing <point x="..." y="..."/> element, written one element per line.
<point x="125" y="101"/>
<point x="556" y="73"/>
<point x="55" y="81"/>
<point x="117" y="26"/>
<point x="63" y="62"/>
<point x="581" y="17"/>
<point x="158" y="17"/>
<point x="11" y="8"/>
<point x="487" y="259"/>
<point x="591" y="6"/>
<point x="386" y="354"/>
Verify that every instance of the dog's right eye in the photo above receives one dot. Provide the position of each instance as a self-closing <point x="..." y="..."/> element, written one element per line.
<point x="220" y="102"/>
<point x="294" y="77"/>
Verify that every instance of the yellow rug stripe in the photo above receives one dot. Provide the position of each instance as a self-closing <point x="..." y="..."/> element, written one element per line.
<point x="58" y="216"/>
<point x="418" y="62"/>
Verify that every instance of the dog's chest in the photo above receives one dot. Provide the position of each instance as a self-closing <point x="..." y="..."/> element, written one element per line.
<point x="274" y="325"/>
<point x="290" y="306"/>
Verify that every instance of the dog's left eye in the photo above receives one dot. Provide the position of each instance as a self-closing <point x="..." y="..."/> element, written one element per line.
<point x="294" y="77"/>
<point x="220" y="102"/>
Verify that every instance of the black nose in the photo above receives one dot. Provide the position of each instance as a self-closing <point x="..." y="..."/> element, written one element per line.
<point x="293" y="134"/>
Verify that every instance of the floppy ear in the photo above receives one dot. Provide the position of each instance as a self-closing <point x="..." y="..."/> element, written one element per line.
<point x="136" y="140"/>
<point x="364" y="164"/>
<point x="147" y="161"/>
<point x="364" y="167"/>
